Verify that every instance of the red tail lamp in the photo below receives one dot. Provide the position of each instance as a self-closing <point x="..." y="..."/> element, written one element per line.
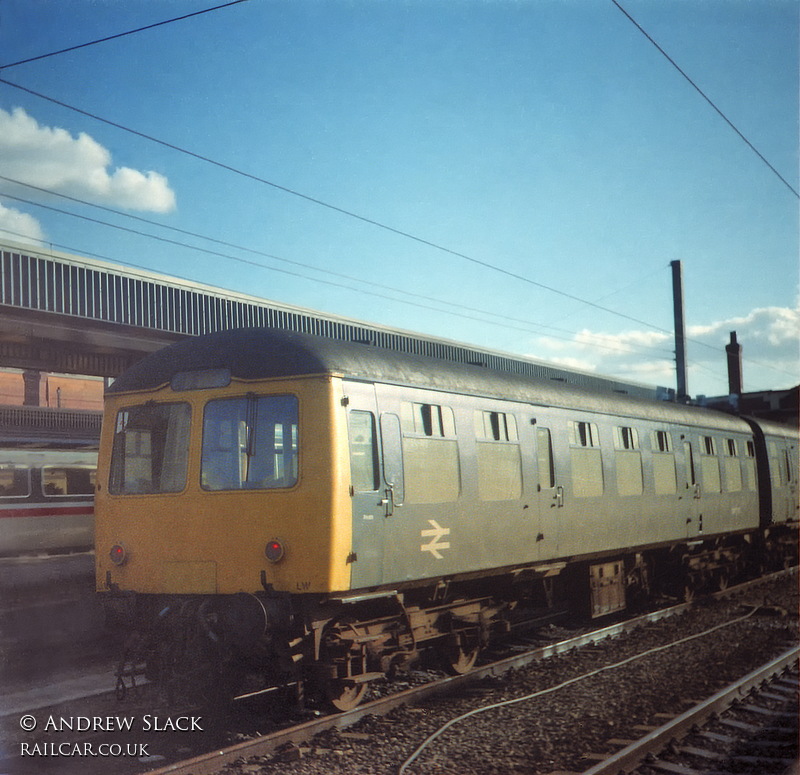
<point x="118" y="554"/>
<point x="275" y="550"/>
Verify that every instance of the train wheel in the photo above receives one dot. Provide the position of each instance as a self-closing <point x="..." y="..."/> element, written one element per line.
<point x="461" y="653"/>
<point x="343" y="662"/>
<point x="344" y="695"/>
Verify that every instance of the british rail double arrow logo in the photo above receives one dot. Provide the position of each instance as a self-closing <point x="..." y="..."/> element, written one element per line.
<point x="435" y="534"/>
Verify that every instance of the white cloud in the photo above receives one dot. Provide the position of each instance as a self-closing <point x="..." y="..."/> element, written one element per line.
<point x="770" y="338"/>
<point x="52" y="158"/>
<point x="20" y="227"/>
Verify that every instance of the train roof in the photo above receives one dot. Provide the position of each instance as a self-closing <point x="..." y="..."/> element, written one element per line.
<point x="268" y="353"/>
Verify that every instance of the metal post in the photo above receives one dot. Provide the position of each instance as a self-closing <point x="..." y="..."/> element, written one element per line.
<point x="680" y="330"/>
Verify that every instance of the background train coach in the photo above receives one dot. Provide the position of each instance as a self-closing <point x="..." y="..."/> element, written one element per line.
<point x="46" y="501"/>
<point x="321" y="511"/>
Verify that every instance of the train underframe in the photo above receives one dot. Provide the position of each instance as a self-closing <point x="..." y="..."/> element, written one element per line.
<point x="208" y="649"/>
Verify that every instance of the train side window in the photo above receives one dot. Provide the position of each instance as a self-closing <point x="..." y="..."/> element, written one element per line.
<point x="665" y="478"/>
<point x="732" y="466"/>
<point x="427" y="420"/>
<point x="626" y="438"/>
<point x="430" y="454"/>
<point x="661" y="441"/>
<point x="709" y="445"/>
<point x="59" y="480"/>
<point x="544" y="451"/>
<point x="709" y="465"/>
<point x="628" y="461"/>
<point x="15" y="481"/>
<point x="498" y="456"/>
<point x="363" y="451"/>
<point x="495" y="426"/>
<point x="586" y="460"/>
<point x="583" y="434"/>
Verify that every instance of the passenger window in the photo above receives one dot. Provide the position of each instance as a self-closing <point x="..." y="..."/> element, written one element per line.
<point x="427" y="420"/>
<point x="15" y="481"/>
<point x="626" y="438"/>
<point x="665" y="479"/>
<point x="363" y="452"/>
<point x="67" y="481"/>
<point x="583" y="434"/>
<point x="498" y="456"/>
<point x="709" y="465"/>
<point x="586" y="460"/>
<point x="661" y="441"/>
<point x="709" y="445"/>
<point x="732" y="466"/>
<point x="628" y="461"/>
<point x="430" y="454"/>
<point x="495" y="426"/>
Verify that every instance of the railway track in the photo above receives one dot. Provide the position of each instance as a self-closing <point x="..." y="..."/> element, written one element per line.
<point x="309" y="741"/>
<point x="748" y="728"/>
<point x="313" y="744"/>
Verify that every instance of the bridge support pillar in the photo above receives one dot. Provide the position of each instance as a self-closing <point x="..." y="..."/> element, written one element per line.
<point x="33" y="381"/>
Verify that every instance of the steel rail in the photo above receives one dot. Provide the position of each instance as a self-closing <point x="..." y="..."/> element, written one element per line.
<point x="212" y="762"/>
<point x="628" y="759"/>
<point x="209" y="763"/>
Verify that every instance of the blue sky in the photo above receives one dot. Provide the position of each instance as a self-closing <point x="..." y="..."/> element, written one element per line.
<point x="547" y="142"/>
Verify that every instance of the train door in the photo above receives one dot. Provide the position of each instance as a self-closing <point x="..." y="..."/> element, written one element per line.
<point x="367" y="490"/>
<point x="551" y="497"/>
<point x="694" y="521"/>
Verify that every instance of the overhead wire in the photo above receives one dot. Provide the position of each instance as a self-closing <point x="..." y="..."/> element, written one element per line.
<point x="344" y="211"/>
<point x="336" y="208"/>
<point x="706" y="98"/>
<point x="119" y="35"/>
<point x="504" y="321"/>
<point x="507" y="321"/>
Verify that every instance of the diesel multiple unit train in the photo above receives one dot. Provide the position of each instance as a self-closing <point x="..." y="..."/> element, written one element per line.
<point x="316" y="513"/>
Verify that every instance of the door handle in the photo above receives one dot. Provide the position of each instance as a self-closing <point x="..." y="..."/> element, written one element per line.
<point x="559" y="498"/>
<point x="388" y="501"/>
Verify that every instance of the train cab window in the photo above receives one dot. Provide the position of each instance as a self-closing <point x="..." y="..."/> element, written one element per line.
<point x="15" y="481"/>
<point x="498" y="456"/>
<point x="430" y="453"/>
<point x="250" y="443"/>
<point x="151" y="449"/>
<point x="363" y="452"/>
<point x="59" y="480"/>
<point x="709" y="464"/>
<point x="586" y="459"/>
<point x="628" y="461"/>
